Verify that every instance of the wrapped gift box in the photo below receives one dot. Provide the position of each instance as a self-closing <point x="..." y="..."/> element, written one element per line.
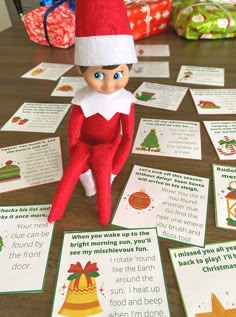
<point x="194" y="19"/>
<point x="59" y="29"/>
<point x="148" y="17"/>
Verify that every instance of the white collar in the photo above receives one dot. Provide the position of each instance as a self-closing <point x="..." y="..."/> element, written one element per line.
<point x="107" y="106"/>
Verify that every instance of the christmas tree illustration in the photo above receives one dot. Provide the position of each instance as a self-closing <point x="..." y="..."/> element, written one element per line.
<point x="151" y="141"/>
<point x="1" y="243"/>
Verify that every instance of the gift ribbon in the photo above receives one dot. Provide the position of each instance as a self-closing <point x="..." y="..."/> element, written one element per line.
<point x="51" y="2"/>
<point x="49" y="10"/>
<point x="89" y="268"/>
<point x="147" y="6"/>
<point x="227" y="143"/>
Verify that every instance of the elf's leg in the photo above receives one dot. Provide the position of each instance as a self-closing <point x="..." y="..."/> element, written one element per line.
<point x="102" y="158"/>
<point x="76" y="165"/>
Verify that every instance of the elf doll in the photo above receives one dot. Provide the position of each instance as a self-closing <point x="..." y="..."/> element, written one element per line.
<point x="101" y="122"/>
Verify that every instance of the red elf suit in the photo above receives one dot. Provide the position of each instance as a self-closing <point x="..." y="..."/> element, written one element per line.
<point x="101" y="125"/>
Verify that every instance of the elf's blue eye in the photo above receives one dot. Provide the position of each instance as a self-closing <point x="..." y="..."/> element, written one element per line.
<point x="99" y="75"/>
<point x="118" y="75"/>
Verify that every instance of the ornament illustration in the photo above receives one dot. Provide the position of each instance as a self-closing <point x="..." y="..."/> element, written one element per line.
<point x="231" y="204"/>
<point x="139" y="200"/>
<point x="218" y="309"/>
<point x="227" y="146"/>
<point x="204" y="104"/>
<point x="150" y="143"/>
<point x="9" y="172"/>
<point x="1" y="243"/>
<point x="145" y="96"/>
<point x="81" y="298"/>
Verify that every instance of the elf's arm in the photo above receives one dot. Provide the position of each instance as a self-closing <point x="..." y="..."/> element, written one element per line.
<point x="74" y="125"/>
<point x="127" y="125"/>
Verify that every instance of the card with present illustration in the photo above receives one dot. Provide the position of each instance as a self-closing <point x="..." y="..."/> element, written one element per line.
<point x="30" y="164"/>
<point x="172" y="138"/>
<point x="224" y="179"/>
<point x="25" y="239"/>
<point x="175" y="203"/>
<point x="47" y="71"/>
<point x="160" y="96"/>
<point x="67" y="86"/>
<point x="206" y="279"/>
<point x="223" y="138"/>
<point x="37" y="117"/>
<point x="152" y="50"/>
<point x="110" y="273"/>
<point x="150" y="69"/>
<point x="201" y="75"/>
<point x="214" y="101"/>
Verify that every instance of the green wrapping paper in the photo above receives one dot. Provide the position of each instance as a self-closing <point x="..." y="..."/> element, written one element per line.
<point x="196" y="20"/>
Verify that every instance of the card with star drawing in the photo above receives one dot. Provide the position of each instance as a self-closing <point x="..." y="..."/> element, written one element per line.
<point x="206" y="279"/>
<point x="110" y="273"/>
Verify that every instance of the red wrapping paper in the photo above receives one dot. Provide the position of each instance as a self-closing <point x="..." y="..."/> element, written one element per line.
<point x="60" y="26"/>
<point x="148" y="17"/>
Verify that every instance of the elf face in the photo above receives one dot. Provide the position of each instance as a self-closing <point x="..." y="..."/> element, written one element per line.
<point x="107" y="81"/>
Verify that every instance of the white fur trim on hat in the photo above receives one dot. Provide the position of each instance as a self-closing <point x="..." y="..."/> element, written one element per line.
<point x="105" y="50"/>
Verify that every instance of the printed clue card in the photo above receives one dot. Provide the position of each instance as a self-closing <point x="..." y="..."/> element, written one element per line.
<point x="25" y="239"/>
<point x="175" y="203"/>
<point x="110" y="273"/>
<point x="160" y="96"/>
<point x="223" y="138"/>
<point x="224" y="178"/>
<point x="30" y="164"/>
<point x="150" y="69"/>
<point x="67" y="86"/>
<point x="206" y="279"/>
<point x="47" y="71"/>
<point x="214" y="101"/>
<point x="180" y="139"/>
<point x="37" y="117"/>
<point x="201" y="75"/>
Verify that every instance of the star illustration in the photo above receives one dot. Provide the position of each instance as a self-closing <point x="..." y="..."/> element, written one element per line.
<point x="218" y="310"/>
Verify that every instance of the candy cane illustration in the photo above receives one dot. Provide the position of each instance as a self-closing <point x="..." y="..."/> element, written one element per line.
<point x="229" y="145"/>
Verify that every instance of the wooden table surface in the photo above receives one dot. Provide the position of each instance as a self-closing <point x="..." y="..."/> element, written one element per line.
<point x="18" y="55"/>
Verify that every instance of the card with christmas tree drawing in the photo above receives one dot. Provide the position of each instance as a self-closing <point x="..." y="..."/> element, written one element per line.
<point x="173" y="202"/>
<point x="25" y="239"/>
<point x="206" y="279"/>
<point x="223" y="138"/>
<point x="110" y="273"/>
<point x="214" y="101"/>
<point x="168" y="138"/>
<point x="224" y="178"/>
<point x="160" y="96"/>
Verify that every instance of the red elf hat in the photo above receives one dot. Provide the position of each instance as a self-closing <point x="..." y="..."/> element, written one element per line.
<point x="103" y="36"/>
